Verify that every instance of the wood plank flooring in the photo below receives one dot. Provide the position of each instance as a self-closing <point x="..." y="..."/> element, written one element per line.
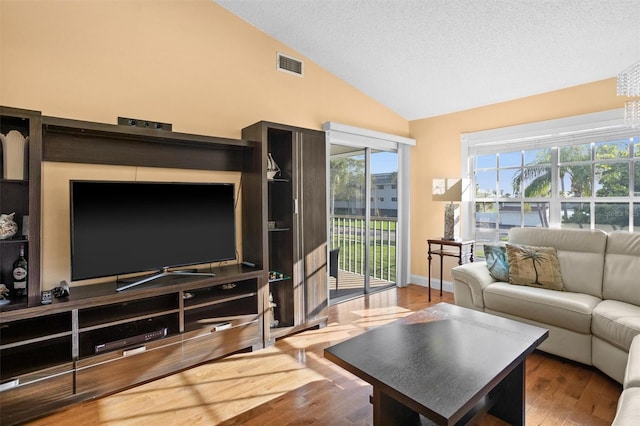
<point x="291" y="383"/>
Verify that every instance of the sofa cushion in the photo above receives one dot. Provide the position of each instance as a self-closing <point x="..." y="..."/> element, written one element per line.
<point x="616" y="322"/>
<point x="571" y="311"/>
<point x="628" y="411"/>
<point x="534" y="266"/>
<point x="497" y="261"/>
<point x="580" y="252"/>
<point x="622" y="267"/>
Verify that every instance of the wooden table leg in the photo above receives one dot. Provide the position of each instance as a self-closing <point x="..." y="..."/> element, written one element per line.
<point x="429" y="257"/>
<point x="510" y="407"/>
<point x="387" y="411"/>
<point x="441" y="266"/>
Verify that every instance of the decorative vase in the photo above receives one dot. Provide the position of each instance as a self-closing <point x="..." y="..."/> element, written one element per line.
<point x="272" y="167"/>
<point x="8" y="227"/>
<point x="13" y="154"/>
<point x="451" y="219"/>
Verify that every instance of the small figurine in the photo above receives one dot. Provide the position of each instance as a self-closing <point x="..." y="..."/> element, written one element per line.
<point x="272" y="167"/>
<point x="61" y="291"/>
<point x="4" y="294"/>
<point x="273" y="323"/>
<point x="8" y="227"/>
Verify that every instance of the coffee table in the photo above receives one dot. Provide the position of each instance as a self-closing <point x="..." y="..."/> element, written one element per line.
<point x="446" y="363"/>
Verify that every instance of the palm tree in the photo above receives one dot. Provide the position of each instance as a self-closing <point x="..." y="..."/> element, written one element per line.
<point x="537" y="175"/>
<point x="535" y="256"/>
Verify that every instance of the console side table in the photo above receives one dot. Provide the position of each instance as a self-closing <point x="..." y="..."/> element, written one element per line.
<point x="462" y="250"/>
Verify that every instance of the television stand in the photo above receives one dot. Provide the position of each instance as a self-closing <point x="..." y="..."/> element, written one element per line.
<point x="165" y="272"/>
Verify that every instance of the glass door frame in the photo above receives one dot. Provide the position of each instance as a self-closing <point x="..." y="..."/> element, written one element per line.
<point x="340" y="134"/>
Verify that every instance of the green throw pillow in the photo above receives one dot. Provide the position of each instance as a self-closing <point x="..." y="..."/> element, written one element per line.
<point x="497" y="261"/>
<point x="534" y="266"/>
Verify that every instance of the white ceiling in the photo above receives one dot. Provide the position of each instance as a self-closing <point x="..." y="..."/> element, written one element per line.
<point x="423" y="58"/>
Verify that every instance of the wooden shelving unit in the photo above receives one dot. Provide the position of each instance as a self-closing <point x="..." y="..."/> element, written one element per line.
<point x="98" y="340"/>
<point x="54" y="355"/>
<point x="22" y="197"/>
<point x="296" y="202"/>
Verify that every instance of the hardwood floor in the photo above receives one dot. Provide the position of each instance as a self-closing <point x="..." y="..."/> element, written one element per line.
<point x="291" y="383"/>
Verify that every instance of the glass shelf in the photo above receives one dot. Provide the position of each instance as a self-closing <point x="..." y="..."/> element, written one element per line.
<point x="276" y="280"/>
<point x="278" y="229"/>
<point x="15" y="240"/>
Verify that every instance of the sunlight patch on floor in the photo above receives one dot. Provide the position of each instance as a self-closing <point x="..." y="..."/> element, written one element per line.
<point x="285" y="375"/>
<point x="373" y="312"/>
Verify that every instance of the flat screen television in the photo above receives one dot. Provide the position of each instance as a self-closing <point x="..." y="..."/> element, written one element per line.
<point x="126" y="227"/>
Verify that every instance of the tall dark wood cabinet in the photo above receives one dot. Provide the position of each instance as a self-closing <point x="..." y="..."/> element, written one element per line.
<point x="22" y="196"/>
<point x="296" y="237"/>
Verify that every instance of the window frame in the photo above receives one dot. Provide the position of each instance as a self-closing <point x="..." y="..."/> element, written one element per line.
<point x="592" y="129"/>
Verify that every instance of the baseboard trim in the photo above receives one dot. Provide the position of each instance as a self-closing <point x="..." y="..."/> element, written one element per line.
<point x="423" y="281"/>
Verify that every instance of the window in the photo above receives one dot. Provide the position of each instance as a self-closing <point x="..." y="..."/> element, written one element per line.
<point x="580" y="172"/>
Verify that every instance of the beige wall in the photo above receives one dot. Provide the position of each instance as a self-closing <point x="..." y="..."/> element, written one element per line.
<point x="186" y="62"/>
<point x="437" y="153"/>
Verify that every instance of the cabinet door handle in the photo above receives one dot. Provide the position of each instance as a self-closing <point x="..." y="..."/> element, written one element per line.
<point x="9" y="385"/>
<point x="220" y="327"/>
<point x="134" y="351"/>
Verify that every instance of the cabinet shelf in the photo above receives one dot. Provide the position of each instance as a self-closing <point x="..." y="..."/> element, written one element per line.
<point x="33" y="329"/>
<point x="279" y="229"/>
<point x="128" y="320"/>
<point x="15" y="240"/>
<point x="90" y="339"/>
<point x="15" y="181"/>
<point x="20" y="303"/>
<point x="285" y="180"/>
<point x="218" y="294"/>
<point x="119" y="313"/>
<point x="24" y="359"/>
<point x="220" y="300"/>
<point x="35" y="340"/>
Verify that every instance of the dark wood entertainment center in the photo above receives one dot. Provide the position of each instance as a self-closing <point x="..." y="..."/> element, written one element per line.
<point x="49" y="355"/>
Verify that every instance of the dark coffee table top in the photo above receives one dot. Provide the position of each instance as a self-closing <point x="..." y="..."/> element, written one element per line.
<point x="440" y="361"/>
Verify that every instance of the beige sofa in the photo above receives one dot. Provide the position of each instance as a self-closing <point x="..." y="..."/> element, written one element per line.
<point x="595" y="319"/>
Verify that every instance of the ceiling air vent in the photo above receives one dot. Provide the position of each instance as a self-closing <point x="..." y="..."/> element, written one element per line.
<point x="289" y="64"/>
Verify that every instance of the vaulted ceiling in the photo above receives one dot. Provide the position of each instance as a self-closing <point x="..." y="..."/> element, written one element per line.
<point x="423" y="58"/>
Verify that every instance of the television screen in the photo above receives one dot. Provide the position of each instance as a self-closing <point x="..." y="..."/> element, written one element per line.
<point x="124" y="227"/>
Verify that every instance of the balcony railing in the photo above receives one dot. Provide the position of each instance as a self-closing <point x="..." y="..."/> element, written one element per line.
<point x="348" y="233"/>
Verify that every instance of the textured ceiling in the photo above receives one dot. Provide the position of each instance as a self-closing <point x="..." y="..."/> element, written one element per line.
<point x="423" y="58"/>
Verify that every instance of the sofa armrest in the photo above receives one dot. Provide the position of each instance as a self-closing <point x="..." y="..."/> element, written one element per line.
<point x="469" y="280"/>
<point x="632" y="372"/>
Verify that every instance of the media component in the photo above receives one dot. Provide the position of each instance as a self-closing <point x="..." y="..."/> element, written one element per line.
<point x="120" y="228"/>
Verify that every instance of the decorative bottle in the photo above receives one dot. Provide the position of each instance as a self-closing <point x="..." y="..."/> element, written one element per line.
<point x="20" y="275"/>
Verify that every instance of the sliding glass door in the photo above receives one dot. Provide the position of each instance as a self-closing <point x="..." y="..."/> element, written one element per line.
<point x="363" y="202"/>
<point x="383" y="219"/>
